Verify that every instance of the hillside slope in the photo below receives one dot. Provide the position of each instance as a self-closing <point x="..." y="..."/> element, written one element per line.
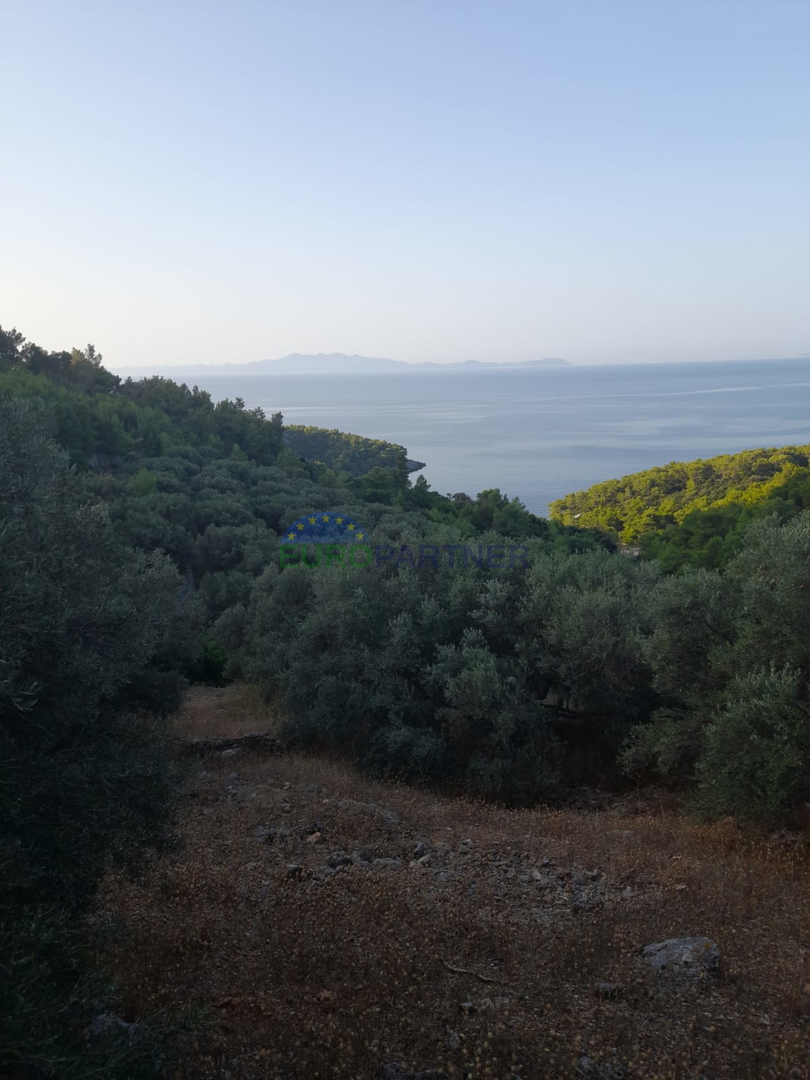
<point x="655" y="498"/>
<point x="343" y="452"/>
<point x="320" y="923"/>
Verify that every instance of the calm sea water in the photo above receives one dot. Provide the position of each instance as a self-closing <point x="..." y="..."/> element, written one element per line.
<point x="541" y="434"/>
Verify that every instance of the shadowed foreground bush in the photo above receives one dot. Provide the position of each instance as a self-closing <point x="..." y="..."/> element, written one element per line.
<point x="88" y="629"/>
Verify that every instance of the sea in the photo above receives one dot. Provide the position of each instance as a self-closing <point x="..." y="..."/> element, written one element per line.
<point x="539" y="434"/>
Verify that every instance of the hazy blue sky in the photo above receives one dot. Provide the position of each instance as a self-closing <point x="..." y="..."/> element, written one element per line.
<point x="601" y="180"/>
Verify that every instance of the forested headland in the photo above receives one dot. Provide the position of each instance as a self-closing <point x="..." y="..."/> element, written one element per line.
<point x="694" y="513"/>
<point x="344" y="453"/>
<point x="140" y="525"/>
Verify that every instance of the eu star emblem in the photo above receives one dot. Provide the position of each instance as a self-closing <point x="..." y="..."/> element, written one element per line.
<point x="323" y="527"/>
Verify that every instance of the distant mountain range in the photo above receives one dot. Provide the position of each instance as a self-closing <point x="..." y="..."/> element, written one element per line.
<point x="328" y="363"/>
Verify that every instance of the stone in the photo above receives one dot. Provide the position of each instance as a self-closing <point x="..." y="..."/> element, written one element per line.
<point x="294" y="870"/>
<point x="389" y="864"/>
<point x="692" y="957"/>
<point x="584" y="902"/>
<point x="339" y="858"/>
<point x="603" y="1070"/>
<point x="545" y="881"/>
<point x="388" y="816"/>
<point x="234" y="751"/>
<point x="607" y="989"/>
<point x="253" y="740"/>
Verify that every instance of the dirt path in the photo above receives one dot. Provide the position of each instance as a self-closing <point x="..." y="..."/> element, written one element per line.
<point x="315" y="923"/>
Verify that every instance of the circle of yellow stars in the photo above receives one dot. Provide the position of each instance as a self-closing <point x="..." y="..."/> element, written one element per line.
<point x="336" y="518"/>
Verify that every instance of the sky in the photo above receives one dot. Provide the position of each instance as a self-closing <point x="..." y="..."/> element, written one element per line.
<point x="606" y="181"/>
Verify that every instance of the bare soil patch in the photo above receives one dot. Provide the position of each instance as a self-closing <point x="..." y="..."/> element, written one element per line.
<point x="485" y="942"/>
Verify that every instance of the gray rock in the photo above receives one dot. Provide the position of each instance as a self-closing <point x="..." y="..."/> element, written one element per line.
<point x="388" y="816"/>
<point x="254" y="740"/>
<point x="603" y="1070"/>
<point x="544" y="881"/>
<point x="584" y="901"/>
<point x="339" y="858"/>
<point x="393" y="1071"/>
<point x="389" y="864"/>
<point x="294" y="870"/>
<point x="693" y="957"/>
<point x="234" y="751"/>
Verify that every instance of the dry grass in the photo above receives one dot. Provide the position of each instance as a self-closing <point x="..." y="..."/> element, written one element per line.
<point x="291" y="976"/>
<point x="211" y="713"/>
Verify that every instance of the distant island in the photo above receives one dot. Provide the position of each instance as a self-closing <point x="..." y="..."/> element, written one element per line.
<point x="333" y="364"/>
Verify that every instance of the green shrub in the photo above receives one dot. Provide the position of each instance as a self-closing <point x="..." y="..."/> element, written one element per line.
<point x="731" y="659"/>
<point x="88" y="628"/>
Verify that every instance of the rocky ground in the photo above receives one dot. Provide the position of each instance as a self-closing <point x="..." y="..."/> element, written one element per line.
<point x="314" y="923"/>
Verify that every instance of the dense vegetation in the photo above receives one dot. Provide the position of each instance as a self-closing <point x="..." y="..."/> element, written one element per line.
<point x="500" y="679"/>
<point x="91" y="632"/>
<point x="710" y="538"/>
<point x="521" y="682"/>
<point x="711" y="499"/>
<point x="139" y="548"/>
<point x="132" y="515"/>
<point x="344" y="453"/>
